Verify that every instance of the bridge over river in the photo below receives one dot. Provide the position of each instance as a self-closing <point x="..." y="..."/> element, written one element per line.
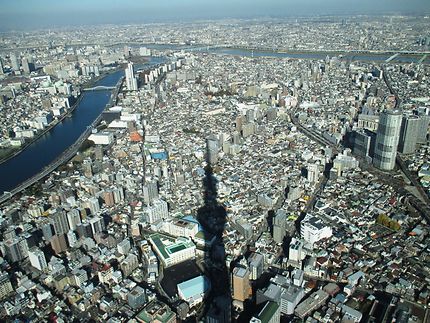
<point x="99" y="88"/>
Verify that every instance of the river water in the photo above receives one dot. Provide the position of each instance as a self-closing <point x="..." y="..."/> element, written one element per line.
<point x="51" y="145"/>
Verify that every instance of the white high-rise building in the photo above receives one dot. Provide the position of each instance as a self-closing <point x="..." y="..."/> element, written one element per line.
<point x="313" y="173"/>
<point x="312" y="229"/>
<point x="387" y="139"/>
<point x="157" y="211"/>
<point x="74" y="218"/>
<point x="130" y="79"/>
<point x="37" y="258"/>
<point x="14" y="62"/>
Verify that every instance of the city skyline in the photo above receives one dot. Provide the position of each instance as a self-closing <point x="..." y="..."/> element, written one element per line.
<point x="23" y="15"/>
<point x="160" y="164"/>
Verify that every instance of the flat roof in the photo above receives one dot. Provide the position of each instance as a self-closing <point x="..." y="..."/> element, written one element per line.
<point x="195" y="286"/>
<point x="268" y="311"/>
<point x="174" y="245"/>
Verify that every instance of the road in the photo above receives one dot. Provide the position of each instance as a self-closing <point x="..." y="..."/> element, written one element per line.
<point x="65" y="156"/>
<point x="421" y="205"/>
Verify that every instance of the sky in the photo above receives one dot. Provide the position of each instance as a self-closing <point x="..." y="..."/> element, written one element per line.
<point x="28" y="14"/>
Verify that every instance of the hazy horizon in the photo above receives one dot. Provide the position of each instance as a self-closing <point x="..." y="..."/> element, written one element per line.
<point x="28" y="14"/>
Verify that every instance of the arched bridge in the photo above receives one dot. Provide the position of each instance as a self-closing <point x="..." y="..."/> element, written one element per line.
<point x="99" y="88"/>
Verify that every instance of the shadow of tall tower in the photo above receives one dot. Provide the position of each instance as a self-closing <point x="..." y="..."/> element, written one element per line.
<point x="213" y="217"/>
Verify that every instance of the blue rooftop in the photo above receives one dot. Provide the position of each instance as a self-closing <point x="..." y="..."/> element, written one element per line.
<point x="192" y="219"/>
<point x="160" y="155"/>
<point x="194" y="287"/>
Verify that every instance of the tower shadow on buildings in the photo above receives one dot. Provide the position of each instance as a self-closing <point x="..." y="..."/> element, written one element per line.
<point x="213" y="218"/>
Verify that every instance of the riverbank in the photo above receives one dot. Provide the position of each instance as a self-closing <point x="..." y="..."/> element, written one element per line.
<point x="27" y="143"/>
<point x="13" y="152"/>
<point x="68" y="154"/>
<point x="366" y="56"/>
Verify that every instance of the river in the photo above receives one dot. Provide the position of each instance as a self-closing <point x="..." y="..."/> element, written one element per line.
<point x="51" y="145"/>
<point x="320" y="55"/>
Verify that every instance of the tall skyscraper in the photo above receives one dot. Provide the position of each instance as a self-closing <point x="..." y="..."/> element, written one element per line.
<point x="212" y="147"/>
<point x="59" y="243"/>
<point x="1" y="67"/>
<point x="279" y="226"/>
<point x="74" y="218"/>
<point x="241" y="286"/>
<point x="97" y="224"/>
<point x="409" y="134"/>
<point x="25" y="65"/>
<point x="157" y="211"/>
<point x="313" y="173"/>
<point x="130" y="79"/>
<point x="60" y="223"/>
<point x="14" y="62"/>
<point x="37" y="258"/>
<point x="150" y="192"/>
<point x="16" y="249"/>
<point x="423" y="128"/>
<point x="387" y="139"/>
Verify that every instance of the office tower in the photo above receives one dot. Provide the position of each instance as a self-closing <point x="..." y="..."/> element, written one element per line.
<point x="313" y="173"/>
<point x="37" y="258"/>
<point x="150" y="192"/>
<point x="47" y="230"/>
<point x="130" y="79"/>
<point x="71" y="238"/>
<point x="279" y="226"/>
<point x="136" y="298"/>
<point x="423" y="128"/>
<point x="250" y="115"/>
<point x="73" y="218"/>
<point x="409" y="134"/>
<point x="59" y="243"/>
<point x="157" y="211"/>
<point x="241" y="287"/>
<point x="94" y="205"/>
<point x="387" y="139"/>
<point x="1" y="67"/>
<point x="97" y="224"/>
<point x="212" y="147"/>
<point x="248" y="129"/>
<point x="256" y="265"/>
<point x="271" y="313"/>
<point x="364" y="142"/>
<point x="295" y="251"/>
<point x="313" y="229"/>
<point x="14" y="62"/>
<point x="59" y="221"/>
<point x="5" y="285"/>
<point x="25" y="65"/>
<point x="16" y="249"/>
